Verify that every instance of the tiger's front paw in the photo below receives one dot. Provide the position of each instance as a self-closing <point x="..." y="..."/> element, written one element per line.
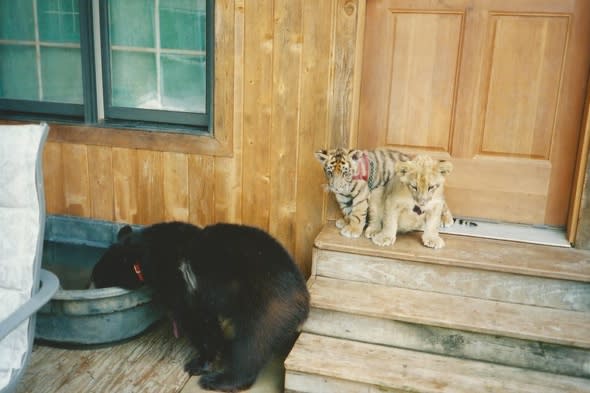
<point x="383" y="239"/>
<point x="371" y="231"/>
<point x="433" y="241"/>
<point x="340" y="223"/>
<point x="351" y="230"/>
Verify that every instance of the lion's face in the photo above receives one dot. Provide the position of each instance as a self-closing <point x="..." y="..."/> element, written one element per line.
<point x="423" y="177"/>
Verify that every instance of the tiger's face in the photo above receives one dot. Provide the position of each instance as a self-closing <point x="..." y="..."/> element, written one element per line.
<point x="424" y="177"/>
<point x="340" y="166"/>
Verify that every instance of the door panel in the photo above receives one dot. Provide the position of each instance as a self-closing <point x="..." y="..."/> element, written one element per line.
<point x="525" y="62"/>
<point x="424" y="60"/>
<point x="496" y="86"/>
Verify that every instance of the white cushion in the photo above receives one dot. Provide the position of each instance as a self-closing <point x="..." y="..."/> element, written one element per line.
<point x="19" y="235"/>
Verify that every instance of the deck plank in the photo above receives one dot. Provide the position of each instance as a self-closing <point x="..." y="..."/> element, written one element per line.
<point x="153" y="362"/>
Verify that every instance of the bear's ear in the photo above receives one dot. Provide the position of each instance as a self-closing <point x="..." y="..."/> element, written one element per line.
<point x="445" y="167"/>
<point x="124" y="232"/>
<point x="321" y="155"/>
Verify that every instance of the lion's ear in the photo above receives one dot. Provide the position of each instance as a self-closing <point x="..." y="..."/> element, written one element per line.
<point x="321" y="155"/>
<point x="402" y="168"/>
<point x="445" y="167"/>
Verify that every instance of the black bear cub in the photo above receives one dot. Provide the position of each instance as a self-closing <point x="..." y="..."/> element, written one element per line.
<point x="233" y="290"/>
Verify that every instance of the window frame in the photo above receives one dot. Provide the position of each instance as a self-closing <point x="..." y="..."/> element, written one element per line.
<point x="88" y="113"/>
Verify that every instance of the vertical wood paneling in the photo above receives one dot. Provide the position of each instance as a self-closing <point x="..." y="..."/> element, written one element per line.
<point x="100" y="177"/>
<point x="313" y="130"/>
<point x="175" y="186"/>
<point x="341" y="88"/>
<point x="341" y="113"/>
<point x="150" y="188"/>
<point x="55" y="197"/>
<point x="284" y="88"/>
<point x="258" y="52"/>
<point x="76" y="182"/>
<point x="228" y="170"/>
<point x="285" y="120"/>
<point x="125" y="185"/>
<point x="201" y="171"/>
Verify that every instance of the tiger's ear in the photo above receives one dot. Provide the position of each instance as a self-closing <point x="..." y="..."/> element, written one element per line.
<point x="445" y="167"/>
<point x="402" y="168"/>
<point x="321" y="155"/>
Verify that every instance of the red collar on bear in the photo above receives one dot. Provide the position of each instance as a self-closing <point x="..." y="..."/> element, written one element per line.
<point x="363" y="168"/>
<point x="138" y="271"/>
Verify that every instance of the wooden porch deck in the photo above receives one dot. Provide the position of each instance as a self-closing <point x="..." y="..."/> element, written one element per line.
<point x="151" y="363"/>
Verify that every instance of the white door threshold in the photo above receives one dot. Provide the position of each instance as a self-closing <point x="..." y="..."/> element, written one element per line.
<point x="545" y="235"/>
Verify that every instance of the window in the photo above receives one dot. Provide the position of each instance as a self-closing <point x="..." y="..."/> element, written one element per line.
<point x="153" y="57"/>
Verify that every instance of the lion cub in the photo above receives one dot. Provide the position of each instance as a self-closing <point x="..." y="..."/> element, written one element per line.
<point x="415" y="201"/>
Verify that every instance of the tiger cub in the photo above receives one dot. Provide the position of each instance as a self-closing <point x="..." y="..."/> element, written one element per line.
<point x="357" y="179"/>
<point x="415" y="201"/>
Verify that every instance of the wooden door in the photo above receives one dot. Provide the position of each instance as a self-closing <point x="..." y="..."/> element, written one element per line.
<point x="495" y="86"/>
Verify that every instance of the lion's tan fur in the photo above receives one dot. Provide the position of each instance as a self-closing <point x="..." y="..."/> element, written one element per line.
<point x="414" y="201"/>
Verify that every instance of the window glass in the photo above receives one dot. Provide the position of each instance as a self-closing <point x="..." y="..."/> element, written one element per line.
<point x="158" y="54"/>
<point x="40" y="51"/>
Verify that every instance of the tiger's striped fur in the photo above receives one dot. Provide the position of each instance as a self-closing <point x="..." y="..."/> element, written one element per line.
<point x="357" y="178"/>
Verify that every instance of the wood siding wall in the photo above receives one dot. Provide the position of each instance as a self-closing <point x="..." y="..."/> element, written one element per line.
<point x="287" y="72"/>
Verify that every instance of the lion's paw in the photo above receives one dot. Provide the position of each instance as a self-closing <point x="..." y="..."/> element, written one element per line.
<point x="383" y="240"/>
<point x="433" y="241"/>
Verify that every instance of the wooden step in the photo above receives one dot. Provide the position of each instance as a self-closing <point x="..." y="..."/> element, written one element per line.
<point x="464" y="281"/>
<point x="568" y="328"/>
<point x="486" y="254"/>
<point x="531" y="355"/>
<point x="327" y="365"/>
<point x="502" y="272"/>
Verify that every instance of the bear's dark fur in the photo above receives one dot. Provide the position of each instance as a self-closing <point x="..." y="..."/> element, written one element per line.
<point x="233" y="290"/>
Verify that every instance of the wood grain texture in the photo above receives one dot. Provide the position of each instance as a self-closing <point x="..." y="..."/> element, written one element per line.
<point x="275" y="104"/>
<point x="345" y="52"/>
<point x="454" y="312"/>
<point x="201" y="195"/>
<point x="176" y="187"/>
<point x="227" y="178"/>
<point x="460" y="251"/>
<point x="494" y="88"/>
<point x="287" y="82"/>
<point x="152" y="363"/>
<point x="450" y="342"/>
<point x="313" y="131"/>
<point x="373" y="368"/>
<point x="125" y="185"/>
<point x="259" y="45"/>
<point x="53" y="179"/>
<point x="76" y="180"/>
<point x="466" y="281"/>
<point x="150" y="190"/>
<point x="286" y="71"/>
<point x="422" y="87"/>
<point x="100" y="179"/>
